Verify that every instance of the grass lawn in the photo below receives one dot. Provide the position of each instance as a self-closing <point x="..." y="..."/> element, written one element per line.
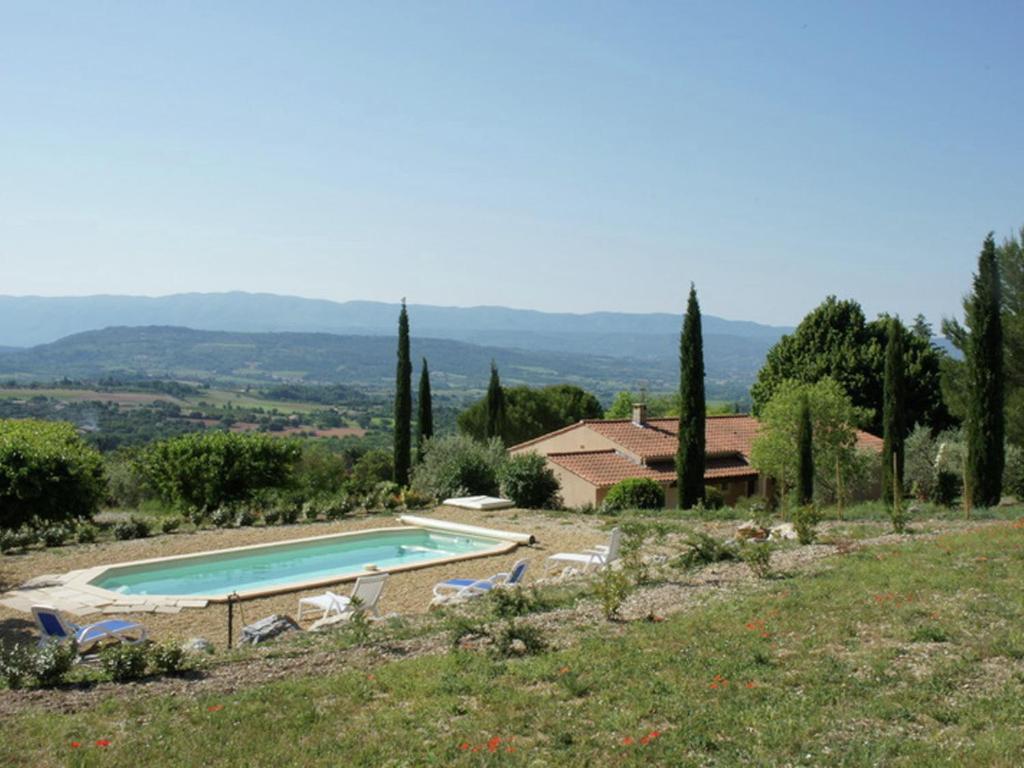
<point x="905" y="655"/>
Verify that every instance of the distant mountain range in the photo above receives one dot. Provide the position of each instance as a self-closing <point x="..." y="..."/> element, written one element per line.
<point x="29" y="320"/>
<point x="364" y="361"/>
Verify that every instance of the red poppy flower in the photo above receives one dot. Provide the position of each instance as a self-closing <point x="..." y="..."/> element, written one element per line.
<point x="492" y="745"/>
<point x="215" y="708"/>
<point x="464" y="746"/>
<point x="76" y="744"/>
<point x="751" y="684"/>
<point x="102" y="743"/>
<point x="627" y="741"/>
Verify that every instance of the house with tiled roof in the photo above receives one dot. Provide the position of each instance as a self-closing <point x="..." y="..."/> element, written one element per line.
<point x="591" y="456"/>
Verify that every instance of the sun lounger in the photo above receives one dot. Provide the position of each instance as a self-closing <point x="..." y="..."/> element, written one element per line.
<point x="591" y="559"/>
<point x="55" y="628"/>
<point x="367" y="591"/>
<point x="461" y="588"/>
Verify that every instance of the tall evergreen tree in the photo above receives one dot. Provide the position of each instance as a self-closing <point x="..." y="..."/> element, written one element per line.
<point x="403" y="402"/>
<point x="985" y="416"/>
<point x="690" y="455"/>
<point x="495" y="405"/>
<point x="425" y="412"/>
<point x="894" y="425"/>
<point x="805" y="455"/>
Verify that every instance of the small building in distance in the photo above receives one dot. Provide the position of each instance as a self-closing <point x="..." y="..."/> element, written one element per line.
<point x="591" y="456"/>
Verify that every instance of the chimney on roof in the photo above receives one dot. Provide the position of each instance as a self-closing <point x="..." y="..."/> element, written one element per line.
<point x="640" y="414"/>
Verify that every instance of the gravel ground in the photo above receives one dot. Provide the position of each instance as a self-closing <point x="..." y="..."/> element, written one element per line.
<point x="406" y="593"/>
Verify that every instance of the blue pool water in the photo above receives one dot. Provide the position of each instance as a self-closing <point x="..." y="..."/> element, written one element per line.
<point x="218" y="574"/>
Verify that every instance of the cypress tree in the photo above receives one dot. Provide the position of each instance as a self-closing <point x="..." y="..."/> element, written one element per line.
<point x="403" y="402"/>
<point x="495" y="405"/>
<point x="894" y="427"/>
<point x="690" y="454"/>
<point x="985" y="416"/>
<point x="805" y="455"/>
<point x="425" y="415"/>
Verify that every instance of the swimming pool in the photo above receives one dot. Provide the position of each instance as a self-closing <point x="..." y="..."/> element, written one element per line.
<point x="267" y="569"/>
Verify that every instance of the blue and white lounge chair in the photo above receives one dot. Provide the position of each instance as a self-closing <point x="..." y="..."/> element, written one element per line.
<point x="462" y="588"/>
<point x="55" y="628"/>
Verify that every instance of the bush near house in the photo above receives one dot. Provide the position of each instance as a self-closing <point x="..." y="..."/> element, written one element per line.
<point x="634" y="493"/>
<point x="47" y="474"/>
<point x="528" y="482"/>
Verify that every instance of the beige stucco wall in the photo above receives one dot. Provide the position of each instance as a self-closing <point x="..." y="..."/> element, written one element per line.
<point x="575" y="490"/>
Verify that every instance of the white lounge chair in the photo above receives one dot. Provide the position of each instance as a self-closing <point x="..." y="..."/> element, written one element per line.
<point x="591" y="559"/>
<point x="367" y="590"/>
<point x="462" y="588"/>
<point x="55" y="628"/>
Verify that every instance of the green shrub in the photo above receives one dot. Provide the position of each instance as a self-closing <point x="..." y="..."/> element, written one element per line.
<point x="528" y="482"/>
<point x="702" y="549"/>
<point x="86" y="533"/>
<point x="210" y="470"/>
<point x="124" y="662"/>
<point x="50" y="664"/>
<point x="1013" y="472"/>
<point x="530" y="639"/>
<point x="272" y="516"/>
<point x="13" y="541"/>
<point x="634" y="493"/>
<point x="54" y="535"/>
<point x="170" y="524"/>
<point x="714" y="498"/>
<point x="132" y="528"/>
<point x="246" y="517"/>
<point x="511" y="602"/>
<point x="223" y="517"/>
<point x="372" y="467"/>
<point x="47" y="473"/>
<point x="458" y="466"/>
<point x="413" y="499"/>
<point x="758" y="558"/>
<point x="805" y="522"/>
<point x="14" y="665"/>
<point x="169" y="659"/>
<point x="611" y="588"/>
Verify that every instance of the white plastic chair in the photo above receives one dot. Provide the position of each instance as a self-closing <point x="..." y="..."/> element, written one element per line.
<point x="367" y="591"/>
<point x="591" y="559"/>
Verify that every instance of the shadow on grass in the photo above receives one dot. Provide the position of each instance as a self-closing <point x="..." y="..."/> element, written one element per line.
<point x="20" y="630"/>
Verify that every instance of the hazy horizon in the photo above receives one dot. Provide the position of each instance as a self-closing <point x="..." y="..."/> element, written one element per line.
<point x="573" y="158"/>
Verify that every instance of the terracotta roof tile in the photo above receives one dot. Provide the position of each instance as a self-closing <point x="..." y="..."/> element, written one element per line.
<point x="606" y="468"/>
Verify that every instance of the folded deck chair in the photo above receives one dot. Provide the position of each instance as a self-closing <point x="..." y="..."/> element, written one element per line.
<point x="591" y="559"/>
<point x="367" y="590"/>
<point x="55" y="628"/>
<point x="460" y="588"/>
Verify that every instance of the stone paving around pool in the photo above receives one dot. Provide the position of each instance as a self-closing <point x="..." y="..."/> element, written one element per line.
<point x="67" y="592"/>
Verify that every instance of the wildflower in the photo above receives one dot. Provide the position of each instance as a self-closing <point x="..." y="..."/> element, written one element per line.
<point x="464" y="746"/>
<point x="371" y="678"/>
<point x="492" y="745"/>
<point x="563" y="671"/>
<point x="102" y="743"/>
<point x="76" y="744"/>
<point x="215" y="708"/>
<point x="751" y="684"/>
<point x="627" y="741"/>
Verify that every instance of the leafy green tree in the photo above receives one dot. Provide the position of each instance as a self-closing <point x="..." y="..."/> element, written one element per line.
<point x="495" y="424"/>
<point x="805" y="454"/>
<point x="528" y="482"/>
<point x="47" y="474"/>
<point x="459" y="466"/>
<point x="372" y="468"/>
<point x="403" y="402"/>
<point x="210" y="469"/>
<point x="894" y="427"/>
<point x="838" y="464"/>
<point x="531" y="412"/>
<point x="690" y="455"/>
<point x="425" y="408"/>
<point x="985" y="418"/>
<point x="835" y="341"/>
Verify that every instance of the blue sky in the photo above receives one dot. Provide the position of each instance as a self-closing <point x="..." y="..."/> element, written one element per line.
<point x="571" y="156"/>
